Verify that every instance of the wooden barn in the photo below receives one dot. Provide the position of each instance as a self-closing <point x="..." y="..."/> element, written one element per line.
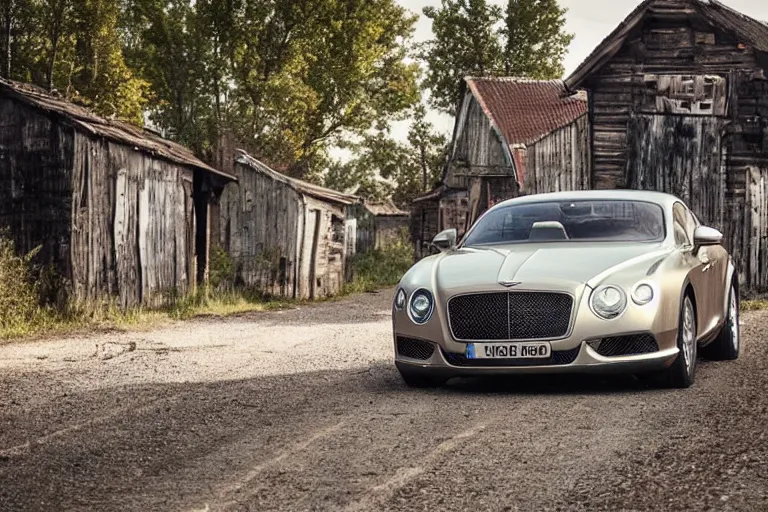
<point x="118" y="211"/>
<point x="678" y="102"/>
<point x="512" y="136"/>
<point x="287" y="238"/>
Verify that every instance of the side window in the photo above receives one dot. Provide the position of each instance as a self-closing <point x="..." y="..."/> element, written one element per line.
<point x="681" y="218"/>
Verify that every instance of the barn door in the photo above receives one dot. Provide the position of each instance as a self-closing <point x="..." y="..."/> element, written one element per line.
<point x="681" y="155"/>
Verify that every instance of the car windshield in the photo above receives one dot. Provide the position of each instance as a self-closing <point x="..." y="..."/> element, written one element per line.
<point x="612" y="221"/>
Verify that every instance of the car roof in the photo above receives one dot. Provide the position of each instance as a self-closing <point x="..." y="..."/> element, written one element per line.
<point x="660" y="198"/>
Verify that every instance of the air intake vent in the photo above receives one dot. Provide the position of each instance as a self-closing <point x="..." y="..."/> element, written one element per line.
<point x="414" y="349"/>
<point x="625" y="345"/>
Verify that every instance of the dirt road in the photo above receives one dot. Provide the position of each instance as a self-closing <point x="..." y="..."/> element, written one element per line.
<point x="303" y="410"/>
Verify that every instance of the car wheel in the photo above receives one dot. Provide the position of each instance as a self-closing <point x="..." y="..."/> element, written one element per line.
<point x="421" y="380"/>
<point x="682" y="372"/>
<point x="727" y="345"/>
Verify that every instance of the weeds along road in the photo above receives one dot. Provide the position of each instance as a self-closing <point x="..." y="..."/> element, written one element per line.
<point x="303" y="410"/>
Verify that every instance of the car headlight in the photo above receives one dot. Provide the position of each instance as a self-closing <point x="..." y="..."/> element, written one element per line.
<point x="400" y="299"/>
<point x="608" y="302"/>
<point x="421" y="307"/>
<point x="642" y="294"/>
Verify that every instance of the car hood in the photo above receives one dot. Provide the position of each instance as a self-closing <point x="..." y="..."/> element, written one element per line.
<point x="536" y="264"/>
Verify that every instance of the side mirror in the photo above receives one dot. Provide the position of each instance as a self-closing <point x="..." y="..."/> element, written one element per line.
<point x="704" y="236"/>
<point x="446" y="240"/>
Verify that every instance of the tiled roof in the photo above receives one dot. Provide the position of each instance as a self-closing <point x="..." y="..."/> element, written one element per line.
<point x="751" y="31"/>
<point x="300" y="186"/>
<point x="124" y="133"/>
<point x="526" y="110"/>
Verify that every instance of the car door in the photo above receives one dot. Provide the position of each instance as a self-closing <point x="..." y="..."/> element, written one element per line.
<point x="697" y="275"/>
<point x="714" y="261"/>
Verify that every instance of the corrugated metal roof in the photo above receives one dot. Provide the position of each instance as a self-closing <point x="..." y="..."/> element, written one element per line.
<point x="526" y="110"/>
<point x="385" y="209"/>
<point x="300" y="186"/>
<point x="124" y="133"/>
<point x="750" y="30"/>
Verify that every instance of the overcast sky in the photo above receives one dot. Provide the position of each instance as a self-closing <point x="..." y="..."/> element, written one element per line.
<point x="590" y="20"/>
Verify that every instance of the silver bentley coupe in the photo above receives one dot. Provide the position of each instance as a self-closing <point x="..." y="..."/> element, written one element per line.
<point x="599" y="281"/>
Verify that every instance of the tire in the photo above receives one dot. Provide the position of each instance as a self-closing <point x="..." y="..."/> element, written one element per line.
<point x="727" y="345"/>
<point x="421" y="380"/>
<point x="682" y="373"/>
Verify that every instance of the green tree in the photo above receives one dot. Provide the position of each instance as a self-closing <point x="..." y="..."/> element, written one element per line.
<point x="466" y="43"/>
<point x="385" y="167"/>
<point x="309" y="70"/>
<point x="73" y="47"/>
<point x="535" y="39"/>
<point x="474" y="38"/>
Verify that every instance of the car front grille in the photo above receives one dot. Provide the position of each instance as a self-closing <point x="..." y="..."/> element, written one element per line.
<point x="414" y="349"/>
<point x="558" y="358"/>
<point x="510" y="316"/>
<point x="632" y="345"/>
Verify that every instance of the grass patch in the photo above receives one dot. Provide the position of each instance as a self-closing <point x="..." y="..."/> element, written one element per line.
<point x="754" y="305"/>
<point x="380" y="268"/>
<point x="26" y="312"/>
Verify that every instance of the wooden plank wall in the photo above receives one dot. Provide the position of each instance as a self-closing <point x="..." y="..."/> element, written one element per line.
<point x="560" y="161"/>
<point x="130" y="220"/>
<point x="682" y="57"/>
<point x="476" y="145"/>
<point x="675" y="42"/>
<point x="425" y="221"/>
<point x="36" y="183"/>
<point x="114" y="222"/>
<point x="680" y="155"/>
<point x="755" y="231"/>
<point x="328" y="274"/>
<point x="260" y="229"/>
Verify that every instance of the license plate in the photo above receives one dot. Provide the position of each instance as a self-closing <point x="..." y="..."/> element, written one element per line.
<point x="509" y="350"/>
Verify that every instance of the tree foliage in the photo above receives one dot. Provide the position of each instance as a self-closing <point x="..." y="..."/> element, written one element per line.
<point x="73" y="47"/>
<point x="285" y="77"/>
<point x="385" y="167"/>
<point x="477" y="38"/>
<point x="535" y="41"/>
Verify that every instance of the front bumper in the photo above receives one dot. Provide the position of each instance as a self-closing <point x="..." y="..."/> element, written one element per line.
<point x="587" y="361"/>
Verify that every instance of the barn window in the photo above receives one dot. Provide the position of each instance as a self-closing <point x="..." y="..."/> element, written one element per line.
<point x="685" y="94"/>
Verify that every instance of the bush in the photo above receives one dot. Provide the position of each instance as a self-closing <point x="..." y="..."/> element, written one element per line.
<point x="19" y="297"/>
<point x="382" y="267"/>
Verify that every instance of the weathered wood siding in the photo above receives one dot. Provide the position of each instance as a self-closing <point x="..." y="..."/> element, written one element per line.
<point x="680" y="155"/>
<point x="477" y="148"/>
<point x="673" y="42"/>
<point x="327" y="275"/>
<point x="259" y="227"/>
<point x="115" y="222"/>
<point x="282" y="242"/>
<point x="683" y="107"/>
<point x="36" y="183"/>
<point x="561" y="161"/>
<point x="132" y="225"/>
<point x="425" y="221"/>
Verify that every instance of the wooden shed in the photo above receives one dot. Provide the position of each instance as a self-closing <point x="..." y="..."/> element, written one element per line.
<point x="512" y="136"/>
<point x="678" y="102"/>
<point x="389" y="221"/>
<point x="118" y="211"/>
<point x="286" y="237"/>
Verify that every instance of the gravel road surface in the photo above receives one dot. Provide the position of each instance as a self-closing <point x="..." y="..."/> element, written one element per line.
<point x="302" y="410"/>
